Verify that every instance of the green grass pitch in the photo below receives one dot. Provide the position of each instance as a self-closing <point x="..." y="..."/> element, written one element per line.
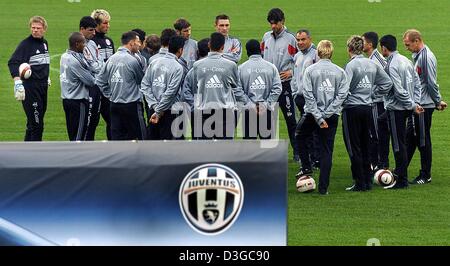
<point x="417" y="216"/>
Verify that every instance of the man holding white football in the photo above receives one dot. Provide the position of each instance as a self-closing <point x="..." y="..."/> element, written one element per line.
<point x="31" y="81"/>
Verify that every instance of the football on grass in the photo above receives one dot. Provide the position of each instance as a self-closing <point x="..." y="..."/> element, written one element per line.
<point x="383" y="177"/>
<point x="306" y="184"/>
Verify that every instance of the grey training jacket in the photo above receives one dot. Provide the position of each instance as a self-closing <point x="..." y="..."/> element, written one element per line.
<point x="280" y="50"/>
<point x="232" y="43"/>
<point x="120" y="78"/>
<point x="302" y="60"/>
<point x="215" y="83"/>
<point x="325" y="89"/>
<point x="406" y="89"/>
<point x="426" y="68"/>
<point x="92" y="56"/>
<point x="190" y="52"/>
<point x="260" y="81"/>
<point x="162" y="82"/>
<point x="162" y="52"/>
<point x="187" y="94"/>
<point x="367" y="81"/>
<point x="75" y="77"/>
<point x="378" y="58"/>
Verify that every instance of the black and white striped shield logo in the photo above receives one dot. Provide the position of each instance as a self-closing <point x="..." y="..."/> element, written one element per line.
<point x="211" y="198"/>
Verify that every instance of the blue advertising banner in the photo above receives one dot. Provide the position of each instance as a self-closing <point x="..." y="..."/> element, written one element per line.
<point x="144" y="193"/>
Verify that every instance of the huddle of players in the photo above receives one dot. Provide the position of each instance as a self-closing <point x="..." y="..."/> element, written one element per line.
<point x="165" y="79"/>
<point x="389" y="97"/>
<point x="377" y="97"/>
<point x="209" y="91"/>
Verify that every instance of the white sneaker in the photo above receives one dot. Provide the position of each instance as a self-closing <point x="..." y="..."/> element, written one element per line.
<point x="350" y="188"/>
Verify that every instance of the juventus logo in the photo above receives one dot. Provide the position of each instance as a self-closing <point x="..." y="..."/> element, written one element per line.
<point x="211" y="198"/>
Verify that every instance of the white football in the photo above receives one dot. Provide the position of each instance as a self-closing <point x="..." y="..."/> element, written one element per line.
<point x="383" y="177"/>
<point x="306" y="184"/>
<point x="25" y="71"/>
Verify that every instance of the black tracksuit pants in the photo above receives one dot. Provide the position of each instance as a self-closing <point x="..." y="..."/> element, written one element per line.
<point x="313" y="142"/>
<point x="76" y="118"/>
<point x="397" y="122"/>
<point x="379" y="137"/>
<point x="214" y="124"/>
<point x="356" y="124"/>
<point x="98" y="104"/>
<point x="258" y="125"/>
<point x="418" y="135"/>
<point x="35" y="106"/>
<point x="304" y="130"/>
<point x="127" y="121"/>
<point x="288" y="109"/>
<point x="163" y="129"/>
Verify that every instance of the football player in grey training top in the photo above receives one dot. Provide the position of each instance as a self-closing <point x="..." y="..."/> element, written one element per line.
<point x="95" y="63"/>
<point x="76" y="79"/>
<point x="379" y="141"/>
<point x="120" y="80"/>
<point x="306" y="56"/>
<point x="166" y="34"/>
<point x="190" y="51"/>
<point x="325" y="89"/>
<point x="232" y="49"/>
<point x="419" y="127"/>
<point x="216" y="86"/>
<point x="152" y="44"/>
<point x="141" y="58"/>
<point x="187" y="95"/>
<point x="160" y="86"/>
<point x="402" y="100"/>
<point x="279" y="47"/>
<point x="262" y="84"/>
<point x="367" y="81"/>
<point x="91" y="52"/>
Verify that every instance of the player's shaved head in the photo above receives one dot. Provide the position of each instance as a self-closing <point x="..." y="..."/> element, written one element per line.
<point x="77" y="42"/>
<point x="74" y="39"/>
<point x="412" y="35"/>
